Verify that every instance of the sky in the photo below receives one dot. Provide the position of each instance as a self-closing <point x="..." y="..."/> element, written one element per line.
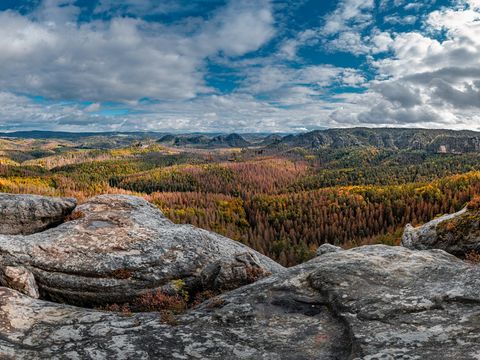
<point x="238" y="65"/>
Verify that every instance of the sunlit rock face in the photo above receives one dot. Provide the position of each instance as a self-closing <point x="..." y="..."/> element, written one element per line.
<point x="116" y="247"/>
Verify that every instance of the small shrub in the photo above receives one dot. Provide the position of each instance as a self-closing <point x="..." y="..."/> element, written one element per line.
<point x="109" y="307"/>
<point x="450" y="226"/>
<point x="474" y="204"/>
<point x="255" y="273"/>
<point x="179" y="286"/>
<point x="203" y="296"/>
<point x="122" y="274"/>
<point x="75" y="215"/>
<point x="473" y="257"/>
<point x="124" y="309"/>
<point x="168" y="317"/>
<point x="215" y="303"/>
<point x="158" y="300"/>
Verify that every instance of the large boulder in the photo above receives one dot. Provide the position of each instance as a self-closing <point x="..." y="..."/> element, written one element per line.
<point x="28" y="214"/>
<point x="116" y="248"/>
<point x="373" y="302"/>
<point x="457" y="233"/>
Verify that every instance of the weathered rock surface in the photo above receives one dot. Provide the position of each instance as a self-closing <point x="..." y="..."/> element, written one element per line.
<point x="117" y="248"/>
<point x="457" y="233"/>
<point x="373" y="302"/>
<point x="327" y="248"/>
<point x="28" y="214"/>
<point x="20" y="279"/>
<point x="229" y="274"/>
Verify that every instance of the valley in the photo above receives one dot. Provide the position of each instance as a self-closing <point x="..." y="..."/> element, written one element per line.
<point x="282" y="195"/>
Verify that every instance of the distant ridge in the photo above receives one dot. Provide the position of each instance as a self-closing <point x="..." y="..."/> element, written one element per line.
<point x="433" y="140"/>
<point x="203" y="140"/>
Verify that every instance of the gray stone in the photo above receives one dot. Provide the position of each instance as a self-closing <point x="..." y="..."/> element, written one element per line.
<point x="117" y="248"/>
<point x="228" y="274"/>
<point x="327" y="248"/>
<point x="457" y="233"/>
<point x="403" y="304"/>
<point x="373" y="302"/>
<point x="28" y="214"/>
<point x="20" y="279"/>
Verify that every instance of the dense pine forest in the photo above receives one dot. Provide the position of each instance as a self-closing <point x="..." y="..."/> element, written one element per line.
<point x="284" y="197"/>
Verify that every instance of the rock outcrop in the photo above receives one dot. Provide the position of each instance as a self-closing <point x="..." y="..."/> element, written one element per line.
<point x="457" y="233"/>
<point x="28" y="214"/>
<point x="373" y="302"/>
<point x="117" y="248"/>
<point x="327" y="248"/>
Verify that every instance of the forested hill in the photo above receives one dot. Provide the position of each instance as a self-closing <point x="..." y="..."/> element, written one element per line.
<point x="431" y="140"/>
<point x="441" y="141"/>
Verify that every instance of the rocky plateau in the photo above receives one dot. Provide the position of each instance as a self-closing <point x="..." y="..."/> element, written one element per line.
<point x="416" y="301"/>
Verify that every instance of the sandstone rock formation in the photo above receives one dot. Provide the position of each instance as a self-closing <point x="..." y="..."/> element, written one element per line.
<point x="118" y="247"/>
<point x="327" y="248"/>
<point x="28" y="214"/>
<point x="373" y="302"/>
<point x="457" y="233"/>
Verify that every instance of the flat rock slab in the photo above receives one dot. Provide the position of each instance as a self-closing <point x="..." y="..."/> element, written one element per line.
<point x="457" y="233"/>
<point x="28" y="214"/>
<point x="120" y="246"/>
<point x="403" y="304"/>
<point x="373" y="302"/>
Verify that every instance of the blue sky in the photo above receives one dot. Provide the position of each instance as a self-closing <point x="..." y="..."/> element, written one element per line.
<point x="244" y="66"/>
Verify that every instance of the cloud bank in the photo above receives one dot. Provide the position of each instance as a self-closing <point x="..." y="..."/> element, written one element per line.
<point x="240" y="66"/>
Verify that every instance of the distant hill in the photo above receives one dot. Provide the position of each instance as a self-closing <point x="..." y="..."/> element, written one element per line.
<point x="212" y="140"/>
<point x="432" y="140"/>
<point x="205" y="141"/>
<point x="232" y="140"/>
<point x="271" y="140"/>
